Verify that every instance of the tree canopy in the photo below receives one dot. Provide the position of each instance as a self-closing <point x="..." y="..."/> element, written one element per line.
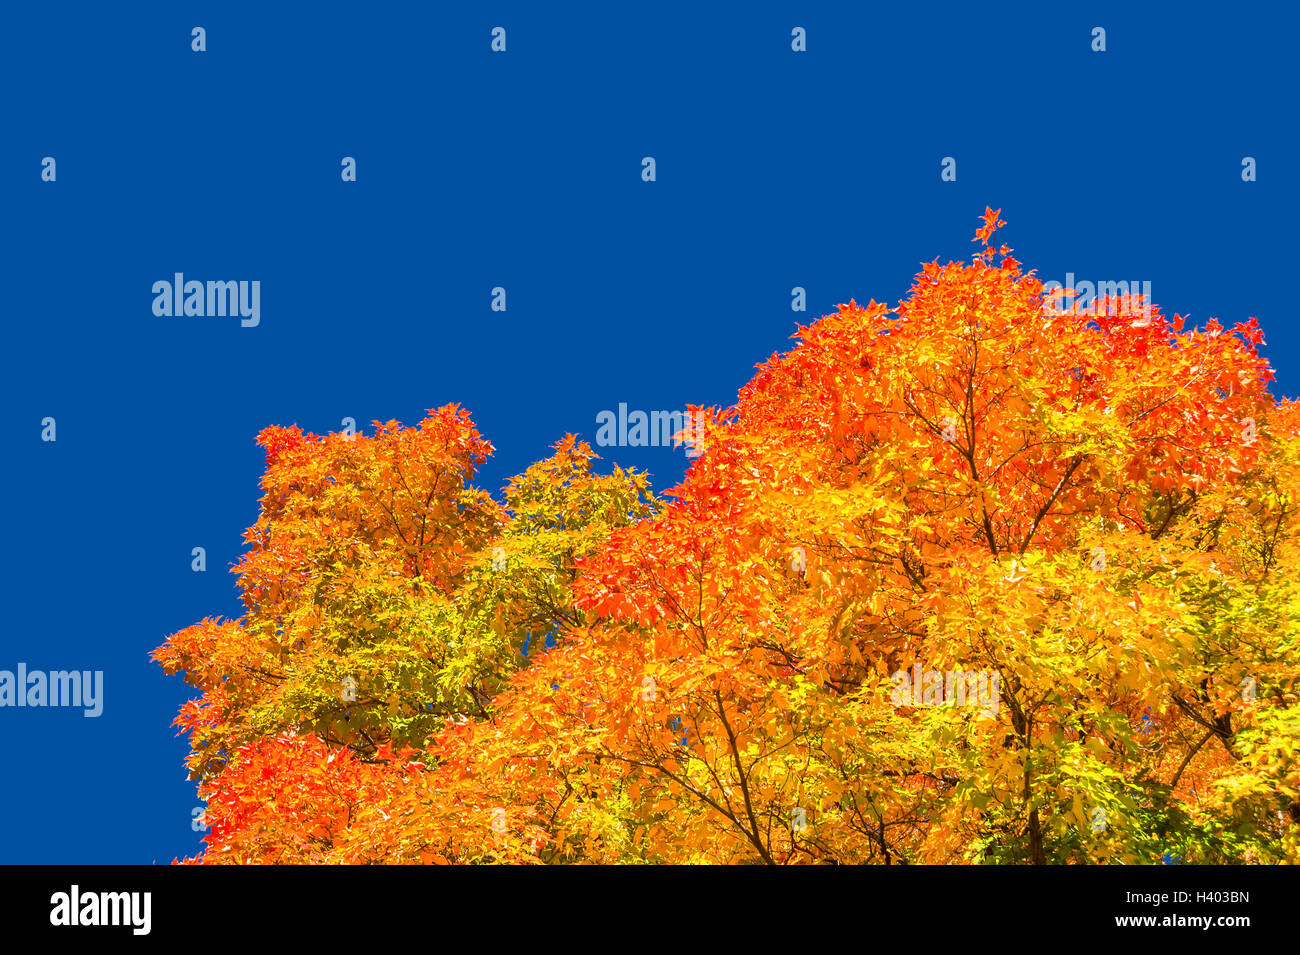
<point x="980" y="578"/>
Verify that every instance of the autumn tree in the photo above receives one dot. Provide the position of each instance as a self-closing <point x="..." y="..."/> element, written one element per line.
<point x="1089" y="508"/>
<point x="383" y="595"/>
<point x="1082" y="521"/>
